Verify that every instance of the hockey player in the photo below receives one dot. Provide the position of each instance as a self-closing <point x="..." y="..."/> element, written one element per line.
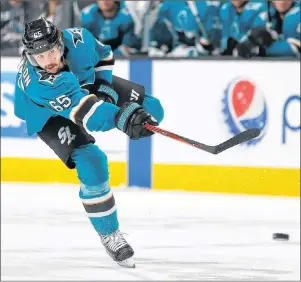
<point x="279" y="33"/>
<point x="238" y="17"/>
<point x="64" y="90"/>
<point x="111" y="23"/>
<point x="190" y="37"/>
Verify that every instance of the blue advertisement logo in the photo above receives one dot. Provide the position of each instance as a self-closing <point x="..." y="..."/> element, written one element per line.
<point x="288" y="125"/>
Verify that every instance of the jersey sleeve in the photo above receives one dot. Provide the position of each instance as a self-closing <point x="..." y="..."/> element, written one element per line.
<point x="101" y="56"/>
<point x="103" y="61"/>
<point x="87" y="18"/>
<point x="260" y="20"/>
<point x="128" y="30"/>
<point x="164" y="10"/>
<point x="212" y="23"/>
<point x="68" y="100"/>
<point x="283" y="48"/>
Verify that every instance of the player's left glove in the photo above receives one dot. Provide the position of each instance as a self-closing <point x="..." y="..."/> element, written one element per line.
<point x="131" y="119"/>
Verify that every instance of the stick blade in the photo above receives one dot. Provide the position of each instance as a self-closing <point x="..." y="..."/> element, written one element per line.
<point x="237" y="139"/>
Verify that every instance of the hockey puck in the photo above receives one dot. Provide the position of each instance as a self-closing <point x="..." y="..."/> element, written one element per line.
<point x="280" y="236"/>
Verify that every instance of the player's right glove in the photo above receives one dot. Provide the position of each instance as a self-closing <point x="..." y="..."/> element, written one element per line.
<point x="131" y="119"/>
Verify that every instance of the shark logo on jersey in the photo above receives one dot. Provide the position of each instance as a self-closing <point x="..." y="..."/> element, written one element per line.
<point x="77" y="35"/>
<point x="47" y="77"/>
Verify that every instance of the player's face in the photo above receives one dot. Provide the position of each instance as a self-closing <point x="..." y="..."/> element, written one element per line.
<point x="106" y="5"/>
<point x="237" y="3"/>
<point x="282" y="5"/>
<point x="50" y="60"/>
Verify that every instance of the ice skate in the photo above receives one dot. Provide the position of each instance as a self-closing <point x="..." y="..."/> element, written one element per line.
<point x="118" y="249"/>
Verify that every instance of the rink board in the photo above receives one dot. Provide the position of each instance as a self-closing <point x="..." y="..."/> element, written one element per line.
<point x="219" y="179"/>
<point x="51" y="170"/>
<point x="198" y="109"/>
<point x="195" y="109"/>
<point x="227" y="179"/>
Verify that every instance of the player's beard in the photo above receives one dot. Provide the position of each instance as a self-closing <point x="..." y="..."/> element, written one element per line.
<point x="53" y="68"/>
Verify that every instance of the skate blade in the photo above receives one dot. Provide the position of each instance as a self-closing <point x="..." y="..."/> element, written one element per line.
<point x="127" y="263"/>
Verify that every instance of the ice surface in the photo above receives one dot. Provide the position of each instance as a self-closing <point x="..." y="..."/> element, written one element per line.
<point x="45" y="235"/>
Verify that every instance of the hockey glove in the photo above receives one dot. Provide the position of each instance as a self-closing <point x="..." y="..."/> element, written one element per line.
<point x="204" y="47"/>
<point x="231" y="45"/>
<point x="131" y="119"/>
<point x="247" y="49"/>
<point x="263" y="37"/>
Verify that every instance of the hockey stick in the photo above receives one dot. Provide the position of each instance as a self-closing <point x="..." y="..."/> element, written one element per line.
<point x="237" y="139"/>
<point x="194" y="11"/>
<point x="269" y="21"/>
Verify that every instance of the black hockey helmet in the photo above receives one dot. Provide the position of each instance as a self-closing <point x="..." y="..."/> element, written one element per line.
<point x="39" y="36"/>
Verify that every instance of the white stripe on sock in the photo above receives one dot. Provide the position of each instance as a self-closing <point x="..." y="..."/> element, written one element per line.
<point x="98" y="199"/>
